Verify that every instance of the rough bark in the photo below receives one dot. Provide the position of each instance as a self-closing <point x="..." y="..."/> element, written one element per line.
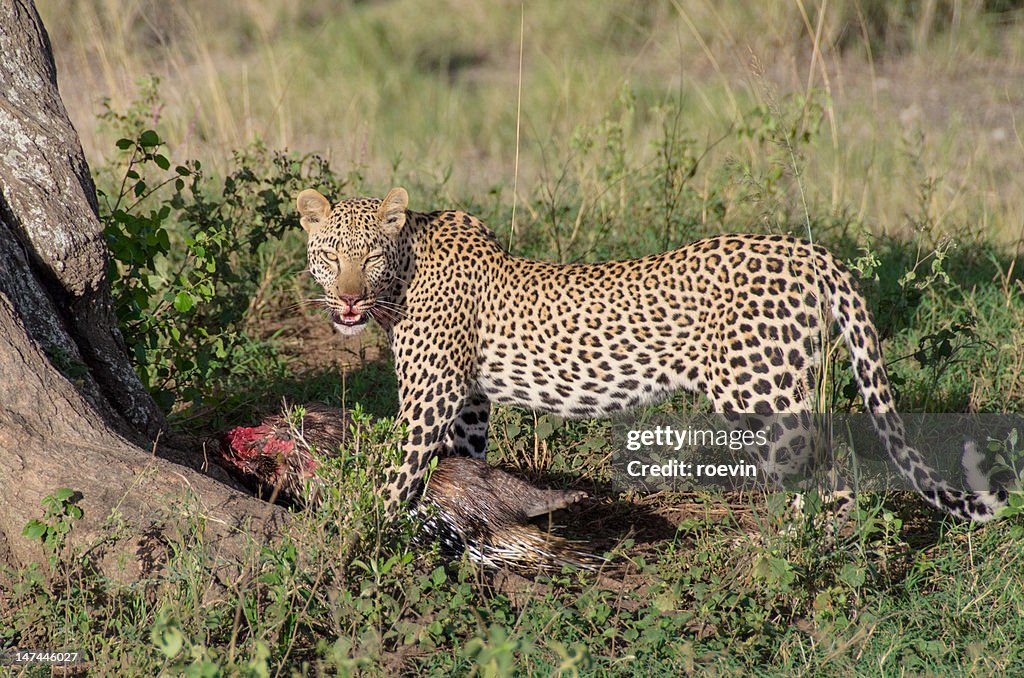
<point x="50" y="204"/>
<point x="72" y="411"/>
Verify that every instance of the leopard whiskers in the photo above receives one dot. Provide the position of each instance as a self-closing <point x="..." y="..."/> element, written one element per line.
<point x="385" y="312"/>
<point x="385" y="316"/>
<point x="306" y="303"/>
<point x="390" y="315"/>
<point x="393" y="308"/>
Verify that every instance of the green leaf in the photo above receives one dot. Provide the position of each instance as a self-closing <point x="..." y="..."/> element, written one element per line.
<point x="34" y="529"/>
<point x="852" y="575"/>
<point x="149" y="138"/>
<point x="169" y="641"/>
<point x="125" y="144"/>
<point x="183" y="302"/>
<point x="162" y="162"/>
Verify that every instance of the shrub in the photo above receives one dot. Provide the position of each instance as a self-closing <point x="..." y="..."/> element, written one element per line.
<point x="187" y="255"/>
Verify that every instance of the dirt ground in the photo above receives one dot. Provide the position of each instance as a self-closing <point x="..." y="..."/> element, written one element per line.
<point x="313" y="344"/>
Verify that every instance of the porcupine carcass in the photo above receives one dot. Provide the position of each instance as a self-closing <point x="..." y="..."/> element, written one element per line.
<point x="470" y="505"/>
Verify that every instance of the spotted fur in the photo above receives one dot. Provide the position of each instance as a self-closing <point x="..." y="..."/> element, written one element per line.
<point x="740" y="318"/>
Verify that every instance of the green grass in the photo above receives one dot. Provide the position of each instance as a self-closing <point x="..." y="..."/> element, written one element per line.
<point x="718" y="597"/>
<point x="644" y="126"/>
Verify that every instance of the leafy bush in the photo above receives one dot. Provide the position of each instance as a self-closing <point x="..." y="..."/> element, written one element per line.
<point x="186" y="257"/>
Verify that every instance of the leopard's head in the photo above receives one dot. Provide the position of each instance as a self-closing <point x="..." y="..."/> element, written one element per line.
<point x="353" y="253"/>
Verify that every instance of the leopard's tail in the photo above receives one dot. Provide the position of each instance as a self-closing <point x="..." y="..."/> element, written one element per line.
<point x="850" y="311"/>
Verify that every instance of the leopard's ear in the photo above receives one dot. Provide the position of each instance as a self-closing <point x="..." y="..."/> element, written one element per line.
<point x="391" y="214"/>
<point x="313" y="208"/>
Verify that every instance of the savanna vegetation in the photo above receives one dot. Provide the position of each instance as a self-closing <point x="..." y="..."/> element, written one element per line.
<point x="579" y="131"/>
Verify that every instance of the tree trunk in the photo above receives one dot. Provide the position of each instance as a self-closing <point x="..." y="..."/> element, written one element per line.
<point x="72" y="411"/>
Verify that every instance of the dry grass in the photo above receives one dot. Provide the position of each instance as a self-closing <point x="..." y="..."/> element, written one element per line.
<point x="395" y="87"/>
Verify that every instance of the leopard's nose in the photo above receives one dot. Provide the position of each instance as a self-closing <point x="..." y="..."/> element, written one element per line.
<point x="350" y="300"/>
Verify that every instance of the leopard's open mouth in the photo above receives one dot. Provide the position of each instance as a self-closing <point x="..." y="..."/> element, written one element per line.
<point x="349" y="323"/>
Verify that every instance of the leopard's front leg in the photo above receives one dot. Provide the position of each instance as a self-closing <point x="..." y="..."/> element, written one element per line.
<point x="429" y="406"/>
<point x="467" y="436"/>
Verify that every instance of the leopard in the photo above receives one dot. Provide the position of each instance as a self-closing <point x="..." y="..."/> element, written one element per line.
<point x="739" y="318"/>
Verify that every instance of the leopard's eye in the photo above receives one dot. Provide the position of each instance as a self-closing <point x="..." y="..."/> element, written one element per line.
<point x="331" y="256"/>
<point x="372" y="257"/>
